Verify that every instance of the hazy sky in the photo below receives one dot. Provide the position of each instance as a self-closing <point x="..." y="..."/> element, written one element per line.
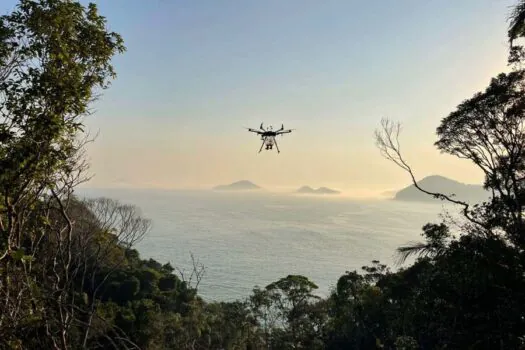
<point x="197" y="72"/>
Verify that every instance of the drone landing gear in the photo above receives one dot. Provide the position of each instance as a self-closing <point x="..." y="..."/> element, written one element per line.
<point x="275" y="142"/>
<point x="264" y="141"/>
<point x="269" y="143"/>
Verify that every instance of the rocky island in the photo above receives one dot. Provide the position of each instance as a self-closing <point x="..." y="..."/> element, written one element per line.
<point x="320" y="190"/>
<point x="243" y="185"/>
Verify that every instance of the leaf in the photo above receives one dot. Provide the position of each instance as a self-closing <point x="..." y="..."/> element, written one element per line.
<point x="27" y="258"/>
<point x="18" y="254"/>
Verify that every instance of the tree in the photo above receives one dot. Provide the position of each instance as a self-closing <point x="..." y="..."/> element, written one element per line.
<point x="104" y="230"/>
<point x="516" y="31"/>
<point x="437" y="236"/>
<point x="358" y="310"/>
<point x="443" y="299"/>
<point x="54" y="59"/>
<point x="289" y="312"/>
<point x="489" y="130"/>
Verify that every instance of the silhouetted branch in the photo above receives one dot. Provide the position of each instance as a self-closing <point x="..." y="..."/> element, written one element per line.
<point x="387" y="140"/>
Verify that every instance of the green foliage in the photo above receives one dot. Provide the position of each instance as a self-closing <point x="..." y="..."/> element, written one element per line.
<point x="55" y="55"/>
<point x="406" y="343"/>
<point x="487" y="129"/>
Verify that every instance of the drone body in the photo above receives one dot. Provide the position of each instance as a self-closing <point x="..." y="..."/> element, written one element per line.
<point x="268" y="136"/>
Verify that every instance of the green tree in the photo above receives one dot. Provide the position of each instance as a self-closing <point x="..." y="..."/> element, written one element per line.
<point x="467" y="289"/>
<point x="357" y="309"/>
<point x="489" y="130"/>
<point x="54" y="58"/>
<point x="289" y="312"/>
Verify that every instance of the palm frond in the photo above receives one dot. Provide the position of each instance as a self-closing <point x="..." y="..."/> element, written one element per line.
<point x="418" y="249"/>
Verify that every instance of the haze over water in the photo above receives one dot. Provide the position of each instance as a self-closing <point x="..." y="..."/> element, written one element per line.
<point x="197" y="72"/>
<point x="254" y="239"/>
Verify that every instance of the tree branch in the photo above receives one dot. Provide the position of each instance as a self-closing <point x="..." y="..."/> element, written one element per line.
<point x="387" y="140"/>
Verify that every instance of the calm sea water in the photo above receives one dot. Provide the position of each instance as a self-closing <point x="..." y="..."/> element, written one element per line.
<point x="245" y="240"/>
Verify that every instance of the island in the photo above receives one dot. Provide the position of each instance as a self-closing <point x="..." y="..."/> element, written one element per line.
<point x="388" y="194"/>
<point x="243" y="185"/>
<point x="439" y="184"/>
<point x="320" y="190"/>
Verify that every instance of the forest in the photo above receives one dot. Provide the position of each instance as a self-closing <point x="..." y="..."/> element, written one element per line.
<point x="70" y="277"/>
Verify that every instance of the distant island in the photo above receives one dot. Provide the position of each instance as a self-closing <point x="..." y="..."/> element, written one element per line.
<point x="440" y="184"/>
<point x="320" y="190"/>
<point x="243" y="185"/>
<point x="389" y="194"/>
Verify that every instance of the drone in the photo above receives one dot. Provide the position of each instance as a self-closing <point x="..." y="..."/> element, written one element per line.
<point x="268" y="136"/>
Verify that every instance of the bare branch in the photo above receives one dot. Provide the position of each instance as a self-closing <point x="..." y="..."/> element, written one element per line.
<point x="197" y="272"/>
<point x="387" y="140"/>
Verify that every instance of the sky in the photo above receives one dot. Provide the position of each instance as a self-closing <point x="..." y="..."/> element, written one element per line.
<point x="196" y="73"/>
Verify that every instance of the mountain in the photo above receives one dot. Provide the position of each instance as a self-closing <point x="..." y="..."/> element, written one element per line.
<point x="243" y="185"/>
<point x="326" y="190"/>
<point x="320" y="190"/>
<point x="305" y="189"/>
<point x="440" y="184"/>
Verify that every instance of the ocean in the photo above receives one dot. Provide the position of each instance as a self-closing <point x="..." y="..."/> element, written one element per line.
<point x="244" y="240"/>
